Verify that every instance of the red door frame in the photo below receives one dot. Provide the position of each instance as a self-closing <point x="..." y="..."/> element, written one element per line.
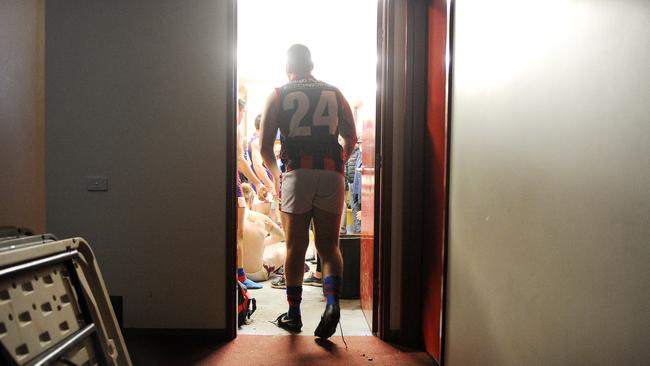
<point x="436" y="151"/>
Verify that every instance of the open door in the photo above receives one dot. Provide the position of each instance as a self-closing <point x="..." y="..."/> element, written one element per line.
<point x="375" y="190"/>
<point x="367" y="289"/>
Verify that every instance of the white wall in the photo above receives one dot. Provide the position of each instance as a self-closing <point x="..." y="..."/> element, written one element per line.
<point x="136" y="91"/>
<point x="22" y="172"/>
<point x="549" y="238"/>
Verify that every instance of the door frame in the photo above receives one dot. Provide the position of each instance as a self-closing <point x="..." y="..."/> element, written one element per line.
<point x="383" y="181"/>
<point x="451" y="16"/>
<point x="415" y="119"/>
<point x="230" y="267"/>
<point x="383" y="176"/>
<point x="383" y="169"/>
<point x="427" y="90"/>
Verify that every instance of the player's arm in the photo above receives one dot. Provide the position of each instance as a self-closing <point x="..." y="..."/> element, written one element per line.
<point x="258" y="164"/>
<point x="276" y="235"/>
<point x="269" y="129"/>
<point x="275" y="232"/>
<point x="347" y="128"/>
<point x="242" y="164"/>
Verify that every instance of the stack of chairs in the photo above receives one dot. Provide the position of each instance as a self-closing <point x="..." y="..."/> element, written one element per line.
<point x="12" y="232"/>
<point x="54" y="307"/>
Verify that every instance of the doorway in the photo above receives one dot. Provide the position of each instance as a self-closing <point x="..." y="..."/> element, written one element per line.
<point x="342" y="37"/>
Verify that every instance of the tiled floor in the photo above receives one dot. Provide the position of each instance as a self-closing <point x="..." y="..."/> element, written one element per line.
<point x="273" y="302"/>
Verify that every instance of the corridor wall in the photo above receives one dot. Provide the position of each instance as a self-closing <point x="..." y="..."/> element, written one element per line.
<point x="136" y="92"/>
<point x="22" y="170"/>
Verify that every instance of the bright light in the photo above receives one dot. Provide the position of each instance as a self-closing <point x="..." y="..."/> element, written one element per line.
<point x="487" y="61"/>
<point x="341" y="34"/>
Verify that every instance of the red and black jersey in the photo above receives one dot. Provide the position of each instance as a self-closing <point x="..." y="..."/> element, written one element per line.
<point x="309" y="114"/>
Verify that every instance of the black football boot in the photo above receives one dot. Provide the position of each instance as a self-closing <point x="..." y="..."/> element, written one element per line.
<point x="328" y="321"/>
<point x="293" y="324"/>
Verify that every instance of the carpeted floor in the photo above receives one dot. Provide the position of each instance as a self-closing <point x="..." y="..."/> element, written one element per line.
<point x="270" y="351"/>
<point x="299" y="350"/>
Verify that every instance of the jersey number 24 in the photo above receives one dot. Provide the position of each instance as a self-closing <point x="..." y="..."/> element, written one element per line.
<point x="299" y="101"/>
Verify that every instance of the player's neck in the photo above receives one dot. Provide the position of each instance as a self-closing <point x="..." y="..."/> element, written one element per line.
<point x="293" y="77"/>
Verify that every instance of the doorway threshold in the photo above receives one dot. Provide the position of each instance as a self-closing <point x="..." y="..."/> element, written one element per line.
<point x="271" y="302"/>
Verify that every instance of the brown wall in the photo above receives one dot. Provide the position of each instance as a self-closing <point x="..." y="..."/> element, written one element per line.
<point x="22" y="182"/>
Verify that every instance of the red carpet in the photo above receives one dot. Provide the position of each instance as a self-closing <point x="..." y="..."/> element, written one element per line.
<point x="249" y="350"/>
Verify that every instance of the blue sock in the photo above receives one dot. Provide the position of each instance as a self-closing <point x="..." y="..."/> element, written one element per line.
<point x="332" y="288"/>
<point x="252" y="285"/>
<point x="241" y="275"/>
<point x="294" y="297"/>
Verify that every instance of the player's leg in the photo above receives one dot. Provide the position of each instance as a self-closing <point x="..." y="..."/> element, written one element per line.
<point x="296" y="227"/>
<point x="241" y="274"/>
<point x="327" y="242"/>
<point x="315" y="278"/>
<point x="327" y="218"/>
<point x="297" y="192"/>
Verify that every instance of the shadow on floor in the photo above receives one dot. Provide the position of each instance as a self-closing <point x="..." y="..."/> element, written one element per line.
<point x="152" y="348"/>
<point x="158" y="349"/>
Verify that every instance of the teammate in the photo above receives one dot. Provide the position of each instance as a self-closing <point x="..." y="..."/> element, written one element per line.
<point x="260" y="233"/>
<point x="244" y="168"/>
<point x="263" y="173"/>
<point x="310" y="115"/>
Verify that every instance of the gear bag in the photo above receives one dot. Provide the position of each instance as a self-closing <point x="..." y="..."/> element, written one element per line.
<point x="246" y="305"/>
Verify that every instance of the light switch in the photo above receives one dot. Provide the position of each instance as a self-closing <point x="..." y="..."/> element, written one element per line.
<point x="97" y="184"/>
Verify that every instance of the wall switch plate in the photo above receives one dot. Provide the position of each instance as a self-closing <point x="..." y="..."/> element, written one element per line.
<point x="97" y="184"/>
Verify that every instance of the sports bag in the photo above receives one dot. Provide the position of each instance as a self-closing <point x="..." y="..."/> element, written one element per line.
<point x="246" y="305"/>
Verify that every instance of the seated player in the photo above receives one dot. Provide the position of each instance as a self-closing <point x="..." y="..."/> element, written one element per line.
<point x="259" y="233"/>
<point x="244" y="167"/>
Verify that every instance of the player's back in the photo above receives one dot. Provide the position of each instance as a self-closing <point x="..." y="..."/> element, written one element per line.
<point x="309" y="116"/>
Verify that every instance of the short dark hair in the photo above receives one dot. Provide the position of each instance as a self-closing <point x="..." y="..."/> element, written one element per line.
<point x="258" y="121"/>
<point x="299" y="59"/>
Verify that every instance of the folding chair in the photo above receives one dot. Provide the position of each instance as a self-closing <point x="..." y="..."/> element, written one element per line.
<point x="54" y="307"/>
<point x="12" y="232"/>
